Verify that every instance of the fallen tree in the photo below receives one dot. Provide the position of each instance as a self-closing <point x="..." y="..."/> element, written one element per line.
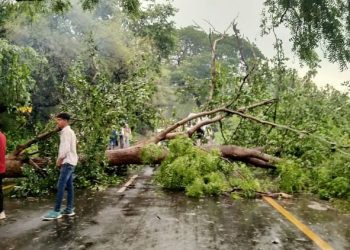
<point x="16" y="159"/>
<point x="132" y="155"/>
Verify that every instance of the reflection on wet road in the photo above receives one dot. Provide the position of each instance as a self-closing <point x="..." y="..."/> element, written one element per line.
<point x="147" y="217"/>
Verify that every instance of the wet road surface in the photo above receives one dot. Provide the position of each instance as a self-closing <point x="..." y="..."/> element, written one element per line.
<point x="147" y="217"/>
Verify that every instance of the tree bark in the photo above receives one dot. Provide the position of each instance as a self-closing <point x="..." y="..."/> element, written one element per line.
<point x="13" y="167"/>
<point x="132" y="155"/>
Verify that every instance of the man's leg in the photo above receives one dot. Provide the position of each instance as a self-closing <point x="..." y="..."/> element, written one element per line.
<point x="126" y="141"/>
<point x="1" y="196"/>
<point x="70" y="192"/>
<point x="121" y="141"/>
<point x="2" y="212"/>
<point x="65" y="173"/>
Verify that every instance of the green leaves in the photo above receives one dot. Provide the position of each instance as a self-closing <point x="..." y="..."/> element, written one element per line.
<point x="202" y="173"/>
<point x="151" y="153"/>
<point x="18" y="68"/>
<point x="99" y="103"/>
<point x="313" y="23"/>
<point x="291" y="177"/>
<point x="17" y="65"/>
<point x="153" y="23"/>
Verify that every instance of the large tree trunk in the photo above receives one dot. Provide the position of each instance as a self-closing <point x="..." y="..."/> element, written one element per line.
<point x="13" y="167"/>
<point x="132" y="155"/>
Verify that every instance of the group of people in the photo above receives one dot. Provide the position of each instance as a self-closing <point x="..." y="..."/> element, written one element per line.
<point x="66" y="161"/>
<point x="120" y="139"/>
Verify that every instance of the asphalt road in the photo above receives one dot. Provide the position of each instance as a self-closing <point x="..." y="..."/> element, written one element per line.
<point x="146" y="217"/>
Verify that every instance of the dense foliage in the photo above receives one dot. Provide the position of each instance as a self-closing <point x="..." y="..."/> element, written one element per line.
<point x="313" y="23"/>
<point x="103" y="66"/>
<point x="18" y="65"/>
<point x="315" y="159"/>
<point x="202" y="173"/>
<point x="95" y="67"/>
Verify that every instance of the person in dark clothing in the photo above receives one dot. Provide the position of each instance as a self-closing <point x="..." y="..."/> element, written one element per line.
<point x="113" y="139"/>
<point x="121" y="140"/>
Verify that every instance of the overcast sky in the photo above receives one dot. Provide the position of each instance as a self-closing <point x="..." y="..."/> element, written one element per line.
<point x="248" y="15"/>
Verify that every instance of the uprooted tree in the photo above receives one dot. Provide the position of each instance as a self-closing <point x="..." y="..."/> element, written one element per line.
<point x="132" y="155"/>
<point x="262" y="114"/>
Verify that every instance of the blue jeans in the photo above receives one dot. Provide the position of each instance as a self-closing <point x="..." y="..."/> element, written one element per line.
<point x="65" y="181"/>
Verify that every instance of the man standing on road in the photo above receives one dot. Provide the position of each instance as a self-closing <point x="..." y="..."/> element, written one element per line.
<point x="126" y="131"/>
<point x="2" y="172"/>
<point x="66" y="162"/>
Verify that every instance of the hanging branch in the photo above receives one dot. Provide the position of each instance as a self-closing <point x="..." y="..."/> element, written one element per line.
<point x="163" y="134"/>
<point x="240" y="46"/>
<point x="193" y="129"/>
<point x="213" y="71"/>
<point x="20" y="148"/>
<point x="37" y="168"/>
<point x="275" y="125"/>
<point x="44" y="135"/>
<point x="234" y="132"/>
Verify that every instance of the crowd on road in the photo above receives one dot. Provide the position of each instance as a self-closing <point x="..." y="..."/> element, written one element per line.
<point x="120" y="138"/>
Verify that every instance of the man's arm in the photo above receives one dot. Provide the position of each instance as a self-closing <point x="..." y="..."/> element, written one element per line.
<point x="63" y="149"/>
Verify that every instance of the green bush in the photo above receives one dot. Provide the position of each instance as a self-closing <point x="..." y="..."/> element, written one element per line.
<point x="213" y="183"/>
<point x="332" y="178"/>
<point x="247" y="185"/>
<point x="196" y="189"/>
<point x="151" y="152"/>
<point x="34" y="185"/>
<point x="291" y="177"/>
<point x="201" y="173"/>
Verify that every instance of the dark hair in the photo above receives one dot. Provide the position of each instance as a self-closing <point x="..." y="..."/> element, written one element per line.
<point x="64" y="116"/>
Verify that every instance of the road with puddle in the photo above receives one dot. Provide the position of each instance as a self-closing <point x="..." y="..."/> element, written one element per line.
<point x="146" y="217"/>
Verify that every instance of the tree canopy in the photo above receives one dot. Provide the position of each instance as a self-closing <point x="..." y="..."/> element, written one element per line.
<point x="109" y="63"/>
<point x="313" y="24"/>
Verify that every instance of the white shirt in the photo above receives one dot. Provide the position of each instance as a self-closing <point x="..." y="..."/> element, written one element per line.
<point x="68" y="146"/>
<point x="126" y="131"/>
